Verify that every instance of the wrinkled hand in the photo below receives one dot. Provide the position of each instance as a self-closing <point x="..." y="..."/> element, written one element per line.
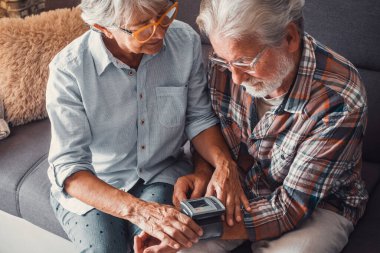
<point x="167" y="224"/>
<point x="194" y="184"/>
<point x="226" y="185"/>
<point x="144" y="243"/>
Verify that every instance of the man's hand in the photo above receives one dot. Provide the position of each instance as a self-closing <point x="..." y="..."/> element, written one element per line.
<point x="225" y="184"/>
<point x="144" y="243"/>
<point x="194" y="185"/>
<point x="167" y="224"/>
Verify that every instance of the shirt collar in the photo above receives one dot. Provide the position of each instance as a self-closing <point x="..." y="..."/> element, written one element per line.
<point x="300" y="91"/>
<point x="103" y="57"/>
<point x="99" y="52"/>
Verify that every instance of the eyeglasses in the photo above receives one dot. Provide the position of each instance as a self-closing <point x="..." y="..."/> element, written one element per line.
<point x="146" y="32"/>
<point x="245" y="64"/>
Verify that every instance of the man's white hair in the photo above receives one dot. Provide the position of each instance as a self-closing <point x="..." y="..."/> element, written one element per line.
<point x="265" y="20"/>
<point x="118" y="12"/>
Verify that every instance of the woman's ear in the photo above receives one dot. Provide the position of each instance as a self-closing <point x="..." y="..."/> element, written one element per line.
<point x="293" y="39"/>
<point x="103" y="30"/>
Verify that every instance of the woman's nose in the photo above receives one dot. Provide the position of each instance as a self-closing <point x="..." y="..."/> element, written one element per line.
<point x="160" y="32"/>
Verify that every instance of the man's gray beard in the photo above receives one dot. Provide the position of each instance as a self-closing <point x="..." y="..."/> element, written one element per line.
<point x="261" y="88"/>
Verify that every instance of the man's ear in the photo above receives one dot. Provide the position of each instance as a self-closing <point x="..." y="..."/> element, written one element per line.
<point x="293" y="39"/>
<point x="103" y="30"/>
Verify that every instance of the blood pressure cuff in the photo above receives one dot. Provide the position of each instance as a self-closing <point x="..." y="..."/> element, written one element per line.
<point x="212" y="227"/>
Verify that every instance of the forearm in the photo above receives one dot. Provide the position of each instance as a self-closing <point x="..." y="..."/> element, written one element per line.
<point x="211" y="146"/>
<point x="89" y="189"/>
<point x="201" y="166"/>
<point x="235" y="232"/>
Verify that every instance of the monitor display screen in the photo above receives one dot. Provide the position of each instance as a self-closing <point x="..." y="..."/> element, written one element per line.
<point x="199" y="203"/>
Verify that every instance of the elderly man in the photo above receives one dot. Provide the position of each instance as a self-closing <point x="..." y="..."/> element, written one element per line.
<point x="293" y="113"/>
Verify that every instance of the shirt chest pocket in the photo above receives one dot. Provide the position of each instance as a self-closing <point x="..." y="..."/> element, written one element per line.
<point x="171" y="105"/>
<point x="281" y="162"/>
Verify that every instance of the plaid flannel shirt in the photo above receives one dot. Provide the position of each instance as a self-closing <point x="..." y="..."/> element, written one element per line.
<point x="304" y="154"/>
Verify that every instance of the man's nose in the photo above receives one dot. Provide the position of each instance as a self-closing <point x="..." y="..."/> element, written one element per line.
<point x="238" y="76"/>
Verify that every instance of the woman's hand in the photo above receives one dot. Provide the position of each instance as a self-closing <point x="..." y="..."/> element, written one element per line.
<point x="169" y="226"/>
<point x="225" y="185"/>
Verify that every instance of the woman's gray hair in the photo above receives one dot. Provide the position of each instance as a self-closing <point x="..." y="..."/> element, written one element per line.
<point x="118" y="12"/>
<point x="265" y="20"/>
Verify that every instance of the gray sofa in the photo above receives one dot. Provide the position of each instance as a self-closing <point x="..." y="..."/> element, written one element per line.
<point x="350" y="27"/>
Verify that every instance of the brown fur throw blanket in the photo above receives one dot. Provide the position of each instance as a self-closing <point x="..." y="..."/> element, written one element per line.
<point x="26" y="48"/>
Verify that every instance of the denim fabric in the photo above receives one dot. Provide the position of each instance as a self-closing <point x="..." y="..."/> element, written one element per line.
<point x="96" y="231"/>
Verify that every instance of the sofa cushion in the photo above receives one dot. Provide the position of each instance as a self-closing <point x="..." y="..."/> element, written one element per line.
<point x="372" y="136"/>
<point x="26" y="48"/>
<point x="34" y="204"/>
<point x="365" y="237"/>
<point x="371" y="175"/>
<point x="23" y="150"/>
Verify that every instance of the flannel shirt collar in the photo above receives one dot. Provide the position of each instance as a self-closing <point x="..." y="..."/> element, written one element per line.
<point x="300" y="91"/>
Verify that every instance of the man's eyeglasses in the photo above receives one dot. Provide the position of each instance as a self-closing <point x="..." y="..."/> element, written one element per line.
<point x="245" y="64"/>
<point x="146" y="32"/>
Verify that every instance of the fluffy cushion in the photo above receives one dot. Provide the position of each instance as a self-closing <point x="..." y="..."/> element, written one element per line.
<point x="26" y="48"/>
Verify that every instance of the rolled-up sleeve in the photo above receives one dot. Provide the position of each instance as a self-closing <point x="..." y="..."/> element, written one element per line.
<point x="199" y="114"/>
<point x="70" y="131"/>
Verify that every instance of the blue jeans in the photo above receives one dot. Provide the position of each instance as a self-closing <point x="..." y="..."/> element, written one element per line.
<point x="96" y="231"/>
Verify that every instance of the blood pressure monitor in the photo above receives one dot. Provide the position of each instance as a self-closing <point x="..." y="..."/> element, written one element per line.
<point x="206" y="212"/>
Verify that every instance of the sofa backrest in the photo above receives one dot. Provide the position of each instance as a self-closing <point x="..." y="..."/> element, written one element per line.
<point x="351" y="28"/>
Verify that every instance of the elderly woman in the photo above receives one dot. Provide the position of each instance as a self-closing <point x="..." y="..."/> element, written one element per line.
<point x="122" y="100"/>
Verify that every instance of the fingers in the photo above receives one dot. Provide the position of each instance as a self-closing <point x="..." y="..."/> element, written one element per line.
<point x="233" y="207"/>
<point x="159" y="248"/>
<point x="230" y="209"/>
<point x="210" y="190"/>
<point x="189" y="223"/>
<point x="237" y="210"/>
<point x="176" y="229"/>
<point x="181" y="188"/>
<point x="245" y="202"/>
<point x="138" y="246"/>
<point x="178" y="196"/>
<point x="167" y="240"/>
<point x="180" y="237"/>
<point x="221" y="193"/>
<point x="143" y="236"/>
<point x="187" y="231"/>
<point x="198" y="191"/>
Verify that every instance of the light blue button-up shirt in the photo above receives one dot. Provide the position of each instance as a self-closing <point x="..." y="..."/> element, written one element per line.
<point x="122" y="124"/>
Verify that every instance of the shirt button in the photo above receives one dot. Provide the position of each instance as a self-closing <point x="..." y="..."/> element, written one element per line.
<point x="142" y="147"/>
<point x="141" y="95"/>
<point x="142" y="122"/>
<point x="130" y="73"/>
